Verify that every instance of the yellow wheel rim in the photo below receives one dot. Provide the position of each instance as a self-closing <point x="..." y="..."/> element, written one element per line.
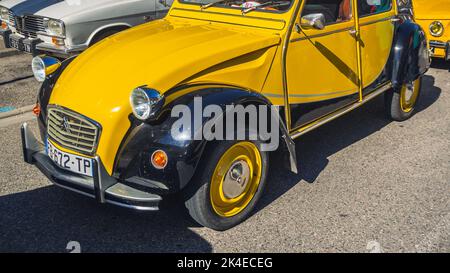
<point x="236" y="179"/>
<point x="408" y="95"/>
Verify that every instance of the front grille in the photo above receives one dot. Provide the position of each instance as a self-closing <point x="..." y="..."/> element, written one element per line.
<point x="29" y="25"/>
<point x="33" y="24"/>
<point x="11" y="18"/>
<point x="19" y="24"/>
<point x="72" y="131"/>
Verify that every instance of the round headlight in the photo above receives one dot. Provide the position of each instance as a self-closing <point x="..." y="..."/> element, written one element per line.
<point x="38" y="67"/>
<point x="4" y="14"/>
<point x="436" y="29"/>
<point x="43" y="66"/>
<point x="55" y="27"/>
<point x="145" y="102"/>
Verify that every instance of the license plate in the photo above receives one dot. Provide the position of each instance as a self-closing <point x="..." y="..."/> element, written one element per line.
<point x="14" y="43"/>
<point x="70" y="162"/>
<point x="27" y="48"/>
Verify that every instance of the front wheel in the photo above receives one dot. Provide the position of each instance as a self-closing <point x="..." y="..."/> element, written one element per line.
<point x="400" y="104"/>
<point x="229" y="182"/>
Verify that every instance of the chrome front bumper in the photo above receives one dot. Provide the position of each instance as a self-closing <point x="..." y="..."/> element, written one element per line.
<point x="443" y="45"/>
<point x="60" y="51"/>
<point x="103" y="187"/>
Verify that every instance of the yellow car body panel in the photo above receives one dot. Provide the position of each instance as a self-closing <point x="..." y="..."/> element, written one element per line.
<point x="431" y="9"/>
<point x="377" y="33"/>
<point x="426" y="12"/>
<point x="322" y="46"/>
<point x="185" y="48"/>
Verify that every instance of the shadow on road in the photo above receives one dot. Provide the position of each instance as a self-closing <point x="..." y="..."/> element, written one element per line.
<point x="440" y="64"/>
<point x="47" y="219"/>
<point x="314" y="148"/>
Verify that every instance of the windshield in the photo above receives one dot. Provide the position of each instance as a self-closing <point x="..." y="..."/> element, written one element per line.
<point x="245" y="6"/>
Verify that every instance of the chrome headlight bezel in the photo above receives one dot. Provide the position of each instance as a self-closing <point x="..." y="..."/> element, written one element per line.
<point x="441" y="29"/>
<point x="4" y="14"/>
<point x="145" y="102"/>
<point x="55" y="27"/>
<point x="42" y="66"/>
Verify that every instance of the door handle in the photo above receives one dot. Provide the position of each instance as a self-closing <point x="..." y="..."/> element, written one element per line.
<point x="395" y="20"/>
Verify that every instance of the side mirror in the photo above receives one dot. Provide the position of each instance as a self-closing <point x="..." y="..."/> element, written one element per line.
<point x="313" y="20"/>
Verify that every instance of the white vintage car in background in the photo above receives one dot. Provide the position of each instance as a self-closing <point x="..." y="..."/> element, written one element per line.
<point x="64" y="28"/>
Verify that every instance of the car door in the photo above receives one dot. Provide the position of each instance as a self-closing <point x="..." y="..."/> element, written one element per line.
<point x="162" y="7"/>
<point x="322" y="64"/>
<point x="377" y="25"/>
<point x="141" y="11"/>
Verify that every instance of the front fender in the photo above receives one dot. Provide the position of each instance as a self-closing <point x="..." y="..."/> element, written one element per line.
<point x="45" y="92"/>
<point x="410" y="56"/>
<point x="143" y="139"/>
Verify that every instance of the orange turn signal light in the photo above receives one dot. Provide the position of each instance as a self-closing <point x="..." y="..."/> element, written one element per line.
<point x="57" y="41"/>
<point x="4" y="25"/>
<point x="37" y="109"/>
<point x="159" y="159"/>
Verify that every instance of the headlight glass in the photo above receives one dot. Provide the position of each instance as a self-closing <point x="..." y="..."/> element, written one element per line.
<point x="38" y="67"/>
<point x="145" y="102"/>
<point x="55" y="27"/>
<point x="43" y="66"/>
<point x="4" y="14"/>
<point x="436" y="29"/>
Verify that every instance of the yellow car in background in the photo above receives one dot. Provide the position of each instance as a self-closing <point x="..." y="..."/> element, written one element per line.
<point x="434" y="17"/>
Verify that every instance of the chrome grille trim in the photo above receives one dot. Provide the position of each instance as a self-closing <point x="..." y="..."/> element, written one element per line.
<point x="72" y="130"/>
<point x="11" y="18"/>
<point x="28" y="25"/>
<point x="33" y="23"/>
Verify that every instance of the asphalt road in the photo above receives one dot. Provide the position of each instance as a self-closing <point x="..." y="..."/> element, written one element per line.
<point x="365" y="184"/>
<point x="18" y="87"/>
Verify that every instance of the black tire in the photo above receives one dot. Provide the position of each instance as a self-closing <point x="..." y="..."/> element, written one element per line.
<point x="394" y="109"/>
<point x="197" y="195"/>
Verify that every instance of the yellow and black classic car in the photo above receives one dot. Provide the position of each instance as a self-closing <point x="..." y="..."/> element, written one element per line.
<point x="434" y="17"/>
<point x="107" y="116"/>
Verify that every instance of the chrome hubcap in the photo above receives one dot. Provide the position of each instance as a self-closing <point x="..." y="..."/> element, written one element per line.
<point x="236" y="179"/>
<point x="409" y="92"/>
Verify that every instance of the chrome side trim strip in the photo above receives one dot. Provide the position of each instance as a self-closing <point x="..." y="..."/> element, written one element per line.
<point x="287" y="111"/>
<point x="272" y="95"/>
<point x="321" y="34"/>
<point x="301" y="131"/>
<point x="438" y="44"/>
<point x="376" y="21"/>
<point x="340" y="30"/>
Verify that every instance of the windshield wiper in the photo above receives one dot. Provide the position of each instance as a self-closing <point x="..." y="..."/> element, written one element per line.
<point x="205" y="6"/>
<point x="266" y="5"/>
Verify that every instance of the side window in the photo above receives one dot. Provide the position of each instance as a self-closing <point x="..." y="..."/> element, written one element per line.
<point x="369" y="7"/>
<point x="335" y="11"/>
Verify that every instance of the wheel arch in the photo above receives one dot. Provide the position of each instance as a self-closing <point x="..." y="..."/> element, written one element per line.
<point x="116" y="26"/>
<point x="410" y="57"/>
<point x="188" y="153"/>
